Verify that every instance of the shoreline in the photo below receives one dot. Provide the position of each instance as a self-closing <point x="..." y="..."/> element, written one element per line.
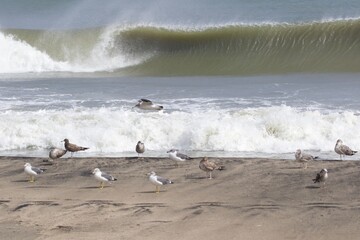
<point x="252" y="198"/>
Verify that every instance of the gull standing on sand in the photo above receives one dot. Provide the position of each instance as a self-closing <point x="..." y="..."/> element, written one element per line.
<point x="177" y="157"/>
<point x="321" y="176"/>
<point x="208" y="166"/>
<point x="342" y="149"/>
<point x="32" y="171"/>
<point x="158" y="181"/>
<point x="102" y="177"/>
<point x="140" y="148"/>
<point x="72" y="147"/>
<point x="56" y="153"/>
<point x="146" y="104"/>
<point x="303" y="158"/>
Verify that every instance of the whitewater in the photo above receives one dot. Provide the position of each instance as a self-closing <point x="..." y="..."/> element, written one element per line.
<point x="201" y="115"/>
<point x="114" y="131"/>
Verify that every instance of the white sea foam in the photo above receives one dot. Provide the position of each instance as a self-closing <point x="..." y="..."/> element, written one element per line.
<point x="18" y="56"/>
<point x="270" y="130"/>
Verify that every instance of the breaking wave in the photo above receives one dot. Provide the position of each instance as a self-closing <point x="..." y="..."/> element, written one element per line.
<point x="233" y="49"/>
<point x="117" y="130"/>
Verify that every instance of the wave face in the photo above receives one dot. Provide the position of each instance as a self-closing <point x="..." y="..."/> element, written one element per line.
<point x="236" y="49"/>
<point x="118" y="129"/>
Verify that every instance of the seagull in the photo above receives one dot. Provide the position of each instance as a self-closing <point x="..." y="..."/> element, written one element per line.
<point x="208" y="166"/>
<point x="140" y="148"/>
<point x="146" y="104"/>
<point x="102" y="177"/>
<point x="32" y="171"/>
<point x="303" y="158"/>
<point x="321" y="176"/>
<point x="177" y="157"/>
<point x="56" y="153"/>
<point x="342" y="149"/>
<point x="72" y="147"/>
<point x="158" y="181"/>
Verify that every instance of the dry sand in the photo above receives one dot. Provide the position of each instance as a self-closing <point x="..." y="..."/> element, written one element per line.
<point x="251" y="199"/>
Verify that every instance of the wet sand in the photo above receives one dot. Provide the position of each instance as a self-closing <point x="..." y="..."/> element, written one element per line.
<point x="251" y="199"/>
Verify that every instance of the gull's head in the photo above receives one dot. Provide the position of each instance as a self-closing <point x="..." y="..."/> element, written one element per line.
<point x="139" y="103"/>
<point x="339" y="141"/>
<point x="298" y="154"/>
<point x="139" y="142"/>
<point x="152" y="173"/>
<point x="324" y="170"/>
<point x="172" y="150"/>
<point x="205" y="159"/>
<point x="27" y="165"/>
<point x="66" y="140"/>
<point x="96" y="170"/>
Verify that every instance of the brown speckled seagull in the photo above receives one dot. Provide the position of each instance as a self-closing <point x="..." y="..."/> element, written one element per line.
<point x="56" y="153"/>
<point x="140" y="148"/>
<point x="342" y="149"/>
<point x="208" y="166"/>
<point x="303" y="158"/>
<point x="73" y="147"/>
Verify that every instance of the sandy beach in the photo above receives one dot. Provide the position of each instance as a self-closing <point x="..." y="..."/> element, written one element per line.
<point x="251" y="199"/>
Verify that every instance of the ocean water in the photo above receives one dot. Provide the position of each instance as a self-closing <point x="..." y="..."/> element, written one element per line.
<point x="235" y="78"/>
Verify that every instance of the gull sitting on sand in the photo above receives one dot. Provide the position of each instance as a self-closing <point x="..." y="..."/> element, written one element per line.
<point x="158" y="181"/>
<point x="321" y="176"/>
<point x="32" y="171"/>
<point x="146" y="104"/>
<point x="303" y="158"/>
<point x="102" y="177"/>
<point x="56" y="153"/>
<point x="177" y="157"/>
<point x="72" y="147"/>
<point x="208" y="166"/>
<point x="140" y="148"/>
<point x="342" y="149"/>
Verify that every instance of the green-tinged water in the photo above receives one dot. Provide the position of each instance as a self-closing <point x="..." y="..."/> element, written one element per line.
<point x="332" y="46"/>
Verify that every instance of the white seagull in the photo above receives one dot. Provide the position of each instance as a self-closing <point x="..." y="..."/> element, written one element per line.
<point x="177" y="157"/>
<point x="303" y="158"/>
<point x="32" y="171"/>
<point x="342" y="149"/>
<point x="102" y="177"/>
<point x="56" y="153"/>
<point x="208" y="166"/>
<point x="158" y="181"/>
<point x="321" y="176"/>
<point x="146" y="104"/>
<point x="140" y="148"/>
